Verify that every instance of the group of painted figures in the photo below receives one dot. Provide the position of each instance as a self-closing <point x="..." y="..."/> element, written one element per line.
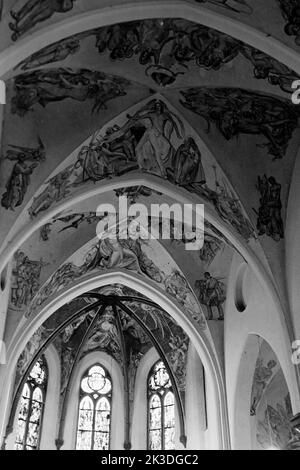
<point x="33" y="12"/>
<point x="235" y="111"/>
<point x="26" y="276"/>
<point x="167" y="48"/>
<point x="146" y="142"/>
<point x="54" y="85"/>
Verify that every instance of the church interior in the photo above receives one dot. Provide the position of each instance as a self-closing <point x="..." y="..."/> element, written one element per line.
<point x="134" y="343"/>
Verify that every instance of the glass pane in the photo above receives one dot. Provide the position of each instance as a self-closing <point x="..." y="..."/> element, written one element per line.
<point x="85" y="386"/>
<point x="155" y="416"/>
<point x="102" y="421"/>
<point x="38" y="395"/>
<point x="31" y="408"/>
<point x="38" y="372"/>
<point x="101" y="441"/>
<point x="21" y="432"/>
<point x="97" y="370"/>
<point x="95" y="411"/>
<point x="24" y="405"/>
<point x="32" y="435"/>
<point x="161" y="421"/>
<point x="103" y="404"/>
<point x="169" y="439"/>
<point x="84" y="440"/>
<point x="26" y="391"/>
<point x="36" y="412"/>
<point x="169" y="410"/>
<point x="155" y="440"/>
<point x="159" y="378"/>
<point x="86" y="415"/>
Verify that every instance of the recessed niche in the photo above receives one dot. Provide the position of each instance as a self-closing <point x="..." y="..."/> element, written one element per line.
<point x="239" y="299"/>
<point x="3" y="279"/>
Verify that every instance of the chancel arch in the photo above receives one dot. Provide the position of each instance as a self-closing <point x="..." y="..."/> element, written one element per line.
<point x="154" y="102"/>
<point x="201" y="344"/>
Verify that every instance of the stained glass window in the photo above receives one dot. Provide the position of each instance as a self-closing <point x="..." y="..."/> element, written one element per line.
<point x="94" y="418"/>
<point x="31" y="408"/>
<point x="161" y="409"/>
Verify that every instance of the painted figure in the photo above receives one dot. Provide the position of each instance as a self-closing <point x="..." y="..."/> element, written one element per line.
<point x="26" y="279"/>
<point x="212" y="293"/>
<point x="36" y="11"/>
<point x="262" y="377"/>
<point x="235" y="112"/>
<point x="187" y="164"/>
<point x="100" y="160"/>
<point x="210" y="249"/>
<point x="290" y="10"/>
<point x="269" y="219"/>
<point x="155" y="151"/>
<point x="56" y="190"/>
<point x="57" y="52"/>
<point x="27" y="160"/>
<point x="54" y="85"/>
<point x="265" y="67"/>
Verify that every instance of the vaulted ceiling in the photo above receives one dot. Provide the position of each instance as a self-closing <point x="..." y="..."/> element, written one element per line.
<point x="160" y="108"/>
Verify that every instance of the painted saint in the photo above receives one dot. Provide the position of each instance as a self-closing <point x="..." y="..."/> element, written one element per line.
<point x="26" y="161"/>
<point x="212" y="293"/>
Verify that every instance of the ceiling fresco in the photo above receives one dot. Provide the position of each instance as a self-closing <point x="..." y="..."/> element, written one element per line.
<point x="166" y="49"/>
<point x="175" y="104"/>
<point x="271" y="408"/>
<point x="147" y="259"/>
<point x="276" y="17"/>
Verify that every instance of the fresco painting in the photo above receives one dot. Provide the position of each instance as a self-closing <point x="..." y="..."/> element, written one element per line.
<point x="271" y="408"/>
<point x="25" y="160"/>
<point x="290" y="10"/>
<point x="26" y="280"/>
<point x="34" y="12"/>
<point x="236" y="112"/>
<point x="269" y="218"/>
<point x="42" y="87"/>
<point x="168" y="49"/>
<point x="153" y="140"/>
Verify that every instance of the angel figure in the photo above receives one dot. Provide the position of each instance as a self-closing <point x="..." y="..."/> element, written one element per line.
<point x="27" y="159"/>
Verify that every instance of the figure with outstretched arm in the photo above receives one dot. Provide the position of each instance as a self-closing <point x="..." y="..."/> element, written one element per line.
<point x="155" y="150"/>
<point x="36" y="11"/>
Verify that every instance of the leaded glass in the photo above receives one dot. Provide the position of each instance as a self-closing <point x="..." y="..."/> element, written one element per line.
<point x="161" y="409"/>
<point x="31" y="408"/>
<point x="93" y="432"/>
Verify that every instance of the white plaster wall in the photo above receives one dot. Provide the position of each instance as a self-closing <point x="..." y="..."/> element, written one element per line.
<point x="292" y="237"/>
<point x="195" y="406"/>
<point x="139" y="417"/>
<point x="261" y="318"/>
